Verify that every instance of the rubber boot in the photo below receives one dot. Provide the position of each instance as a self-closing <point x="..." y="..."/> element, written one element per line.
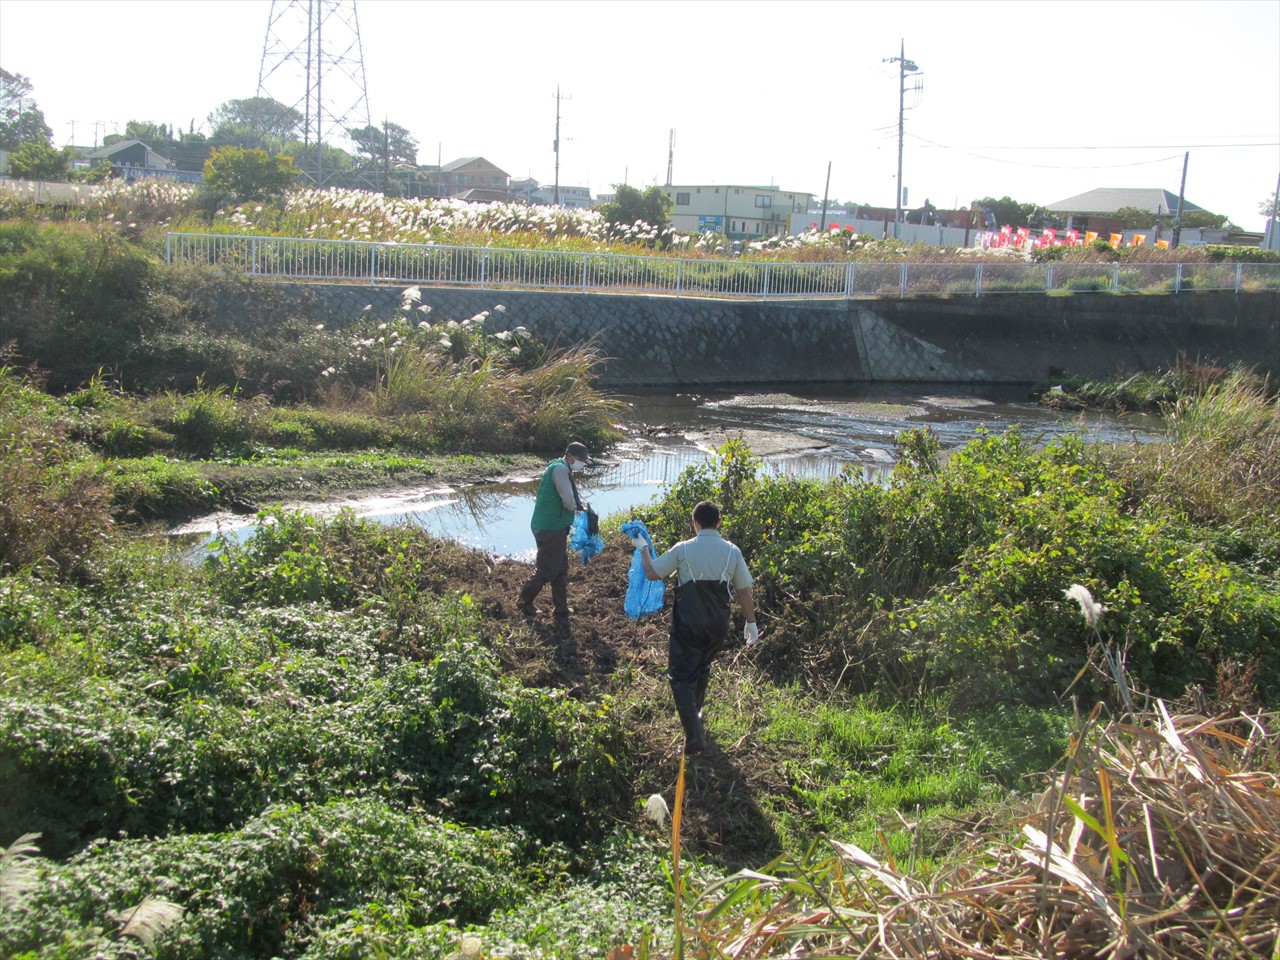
<point x="560" y="598"/>
<point x="685" y="696"/>
<point x="700" y="692"/>
<point x="529" y="593"/>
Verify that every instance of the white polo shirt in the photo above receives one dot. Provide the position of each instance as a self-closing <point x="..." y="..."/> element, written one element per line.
<point x="708" y="556"/>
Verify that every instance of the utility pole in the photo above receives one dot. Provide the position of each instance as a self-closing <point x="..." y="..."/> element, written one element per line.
<point x="556" y="143"/>
<point x="823" y="226"/>
<point x="905" y="66"/>
<point x="1177" y="220"/>
<point x="1273" y="219"/>
<point x="671" y="155"/>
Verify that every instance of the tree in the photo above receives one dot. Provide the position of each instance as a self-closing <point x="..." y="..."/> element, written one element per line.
<point x="21" y="121"/>
<point x="1268" y="207"/>
<point x="1203" y="218"/>
<point x="630" y="205"/>
<point x="1006" y="212"/>
<point x="255" y="122"/>
<point x="1136" y="218"/>
<point x="40" y="161"/>
<point x="382" y="148"/>
<point x="248" y="174"/>
<point x="336" y="164"/>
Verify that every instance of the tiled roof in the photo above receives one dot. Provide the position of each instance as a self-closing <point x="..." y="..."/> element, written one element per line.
<point x="1111" y="199"/>
<point x="482" y="194"/>
<point x="103" y="152"/>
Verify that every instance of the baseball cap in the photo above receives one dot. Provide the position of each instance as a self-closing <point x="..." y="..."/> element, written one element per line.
<point x="578" y="451"/>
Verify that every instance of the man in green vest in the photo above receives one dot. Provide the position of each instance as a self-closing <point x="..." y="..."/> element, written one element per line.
<point x="553" y="512"/>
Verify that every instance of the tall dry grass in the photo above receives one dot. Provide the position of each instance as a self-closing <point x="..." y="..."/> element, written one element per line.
<point x="1219" y="462"/>
<point x="482" y="403"/>
<point x="1158" y="838"/>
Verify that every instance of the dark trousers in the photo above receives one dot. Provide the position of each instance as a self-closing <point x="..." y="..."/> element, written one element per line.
<point x="689" y="655"/>
<point x="551" y="566"/>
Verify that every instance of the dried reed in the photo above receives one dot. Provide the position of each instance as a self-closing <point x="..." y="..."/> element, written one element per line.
<point x="1159" y="838"/>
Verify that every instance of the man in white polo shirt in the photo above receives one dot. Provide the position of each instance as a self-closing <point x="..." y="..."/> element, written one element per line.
<point x="709" y="571"/>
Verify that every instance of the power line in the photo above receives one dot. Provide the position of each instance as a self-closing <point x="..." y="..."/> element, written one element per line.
<point x="1050" y="166"/>
<point x="1121" y="146"/>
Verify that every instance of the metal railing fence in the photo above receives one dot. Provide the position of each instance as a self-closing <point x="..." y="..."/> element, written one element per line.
<point x="487" y="267"/>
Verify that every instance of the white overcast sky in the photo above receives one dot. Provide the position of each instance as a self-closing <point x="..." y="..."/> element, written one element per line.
<point x="1038" y="100"/>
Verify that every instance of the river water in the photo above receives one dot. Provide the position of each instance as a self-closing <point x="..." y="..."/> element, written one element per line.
<point x="808" y="433"/>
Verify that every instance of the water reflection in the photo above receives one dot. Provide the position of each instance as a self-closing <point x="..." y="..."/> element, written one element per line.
<point x="817" y="434"/>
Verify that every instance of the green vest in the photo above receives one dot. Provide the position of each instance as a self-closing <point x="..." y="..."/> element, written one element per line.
<point x="548" y="510"/>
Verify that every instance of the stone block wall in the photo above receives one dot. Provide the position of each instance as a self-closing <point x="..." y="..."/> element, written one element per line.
<point x="688" y="342"/>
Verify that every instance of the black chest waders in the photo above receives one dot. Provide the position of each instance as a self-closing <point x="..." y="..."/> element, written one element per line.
<point x="699" y="630"/>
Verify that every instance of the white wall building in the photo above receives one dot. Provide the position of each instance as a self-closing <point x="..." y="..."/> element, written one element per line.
<point x="737" y="212"/>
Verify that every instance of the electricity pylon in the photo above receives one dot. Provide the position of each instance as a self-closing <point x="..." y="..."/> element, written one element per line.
<point x="313" y="63"/>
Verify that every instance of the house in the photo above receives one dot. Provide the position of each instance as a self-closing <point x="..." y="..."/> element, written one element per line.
<point x="134" y="160"/>
<point x="738" y="212"/>
<point x="482" y="195"/>
<point x="472" y="172"/>
<point x="578" y="197"/>
<point x="523" y="189"/>
<point x="1090" y="211"/>
<point x="530" y="191"/>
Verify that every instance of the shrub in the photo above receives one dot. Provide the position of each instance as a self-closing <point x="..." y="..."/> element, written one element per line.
<point x="53" y="510"/>
<point x="201" y="714"/>
<point x="269" y="887"/>
<point x="951" y="575"/>
<point x="75" y="296"/>
<point x="248" y="174"/>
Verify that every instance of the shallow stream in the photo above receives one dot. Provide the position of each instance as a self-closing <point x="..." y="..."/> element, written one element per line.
<point x="806" y="433"/>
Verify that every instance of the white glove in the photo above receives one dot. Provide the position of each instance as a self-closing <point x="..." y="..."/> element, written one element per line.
<point x="639" y="542"/>
<point x="750" y="632"/>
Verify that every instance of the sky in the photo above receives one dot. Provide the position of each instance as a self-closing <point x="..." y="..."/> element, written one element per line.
<point x="1037" y="100"/>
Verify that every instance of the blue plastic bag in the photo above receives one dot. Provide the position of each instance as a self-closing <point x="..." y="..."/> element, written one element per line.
<point x="581" y="540"/>
<point x="643" y="595"/>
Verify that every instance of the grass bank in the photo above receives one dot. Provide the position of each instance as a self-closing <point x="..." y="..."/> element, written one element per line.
<point x="113" y="369"/>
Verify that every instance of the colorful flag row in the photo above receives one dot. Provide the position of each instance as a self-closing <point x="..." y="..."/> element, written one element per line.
<point x="1021" y="238"/>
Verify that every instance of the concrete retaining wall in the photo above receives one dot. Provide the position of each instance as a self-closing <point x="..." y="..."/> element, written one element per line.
<point x="1012" y="339"/>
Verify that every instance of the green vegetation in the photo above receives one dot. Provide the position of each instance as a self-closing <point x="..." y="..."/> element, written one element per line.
<point x="311" y="746"/>
<point x="334" y="741"/>
<point x="1139" y="219"/>
<point x="166" y="412"/>
<point x="631" y="206"/>
<point x="951" y="576"/>
<point x="40" y="161"/>
<point x="1149" y="392"/>
<point x="242" y="174"/>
